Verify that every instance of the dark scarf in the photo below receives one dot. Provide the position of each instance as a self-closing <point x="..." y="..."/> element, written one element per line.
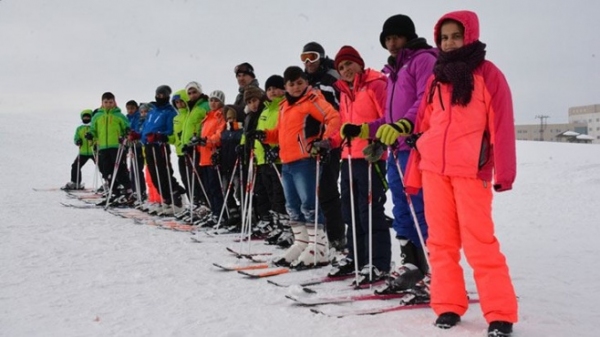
<point x="292" y="100"/>
<point x="456" y="67"/>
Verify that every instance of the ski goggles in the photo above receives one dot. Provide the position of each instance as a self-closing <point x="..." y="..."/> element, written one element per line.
<point x="310" y="57"/>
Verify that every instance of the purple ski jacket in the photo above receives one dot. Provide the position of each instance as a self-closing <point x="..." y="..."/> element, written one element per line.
<point x="405" y="87"/>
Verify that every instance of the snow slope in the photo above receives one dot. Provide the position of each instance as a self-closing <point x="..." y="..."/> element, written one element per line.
<point x="73" y="272"/>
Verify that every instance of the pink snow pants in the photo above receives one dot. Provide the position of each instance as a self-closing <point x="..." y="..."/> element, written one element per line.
<point x="459" y="214"/>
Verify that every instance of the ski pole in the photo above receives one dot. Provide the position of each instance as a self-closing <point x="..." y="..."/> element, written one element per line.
<point x="247" y="211"/>
<point x="190" y="187"/>
<point x="350" y="180"/>
<point x="413" y="213"/>
<point x="317" y="175"/>
<point x="160" y="191"/>
<point x="96" y="170"/>
<point x="136" y="173"/>
<point x="227" y="193"/>
<point x="114" y="175"/>
<point x="370" y="207"/>
<point x="167" y="164"/>
<point x="78" y="182"/>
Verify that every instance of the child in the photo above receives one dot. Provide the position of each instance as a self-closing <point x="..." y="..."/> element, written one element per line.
<point x="362" y="100"/>
<point x="208" y="144"/>
<point x="467" y="138"/>
<point x="108" y="127"/>
<point x="305" y="117"/>
<point x="86" y="151"/>
<point x="229" y="158"/>
<point x="135" y="150"/>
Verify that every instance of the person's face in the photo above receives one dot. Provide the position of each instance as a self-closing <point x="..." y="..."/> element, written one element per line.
<point x="180" y="104"/>
<point x="253" y="104"/>
<point x="143" y="113"/>
<point x="295" y="88"/>
<point x="108" y="104"/>
<point x="393" y="43"/>
<point x="452" y="36"/>
<point x="243" y="79"/>
<point x="214" y="104"/>
<point x="348" y="70"/>
<point x="313" y="67"/>
<point x="273" y="92"/>
<point x="193" y="94"/>
<point x="130" y="109"/>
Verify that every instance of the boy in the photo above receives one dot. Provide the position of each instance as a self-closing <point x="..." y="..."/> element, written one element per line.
<point x="304" y="119"/>
<point x="108" y="127"/>
<point x="86" y="152"/>
<point x="135" y="149"/>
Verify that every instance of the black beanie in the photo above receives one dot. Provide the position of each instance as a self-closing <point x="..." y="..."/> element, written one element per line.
<point x="400" y="25"/>
<point x="244" y="68"/>
<point x="314" y="47"/>
<point x="274" y="81"/>
<point x="293" y="73"/>
<point x="164" y="89"/>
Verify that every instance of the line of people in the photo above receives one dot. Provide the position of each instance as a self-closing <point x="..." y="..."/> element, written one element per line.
<point x="434" y="128"/>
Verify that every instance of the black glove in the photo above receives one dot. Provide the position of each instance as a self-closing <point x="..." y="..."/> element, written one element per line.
<point x="239" y="149"/>
<point x="350" y="130"/>
<point x="411" y="140"/>
<point x="202" y="141"/>
<point x="320" y="147"/>
<point x="194" y="141"/>
<point x="256" y="135"/>
<point x="374" y="151"/>
<point x="272" y="154"/>
<point x="79" y="142"/>
<point x="187" y="148"/>
<point x="89" y="136"/>
<point x="215" y="158"/>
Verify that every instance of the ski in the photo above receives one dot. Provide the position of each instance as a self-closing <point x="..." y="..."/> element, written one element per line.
<point x="79" y="206"/>
<point x="311" y="281"/>
<point x="53" y="189"/>
<point x="318" y="300"/>
<point x="348" y="311"/>
<point x="238" y="267"/>
<point x="268" y="272"/>
<point x="246" y="255"/>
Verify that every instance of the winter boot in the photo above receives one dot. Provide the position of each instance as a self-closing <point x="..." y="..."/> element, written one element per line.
<point x="407" y="276"/>
<point x="345" y="266"/>
<point x="300" y="243"/>
<point x="286" y="238"/>
<point x="369" y="274"/>
<point x="320" y="250"/>
<point x="500" y="329"/>
<point x="447" y="320"/>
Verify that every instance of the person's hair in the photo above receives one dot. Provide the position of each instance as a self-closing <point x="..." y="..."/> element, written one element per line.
<point x="293" y="73"/>
<point x="108" y="95"/>
<point x="131" y="103"/>
<point x="460" y="25"/>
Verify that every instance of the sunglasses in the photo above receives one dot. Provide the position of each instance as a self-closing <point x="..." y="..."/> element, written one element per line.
<point x="310" y="56"/>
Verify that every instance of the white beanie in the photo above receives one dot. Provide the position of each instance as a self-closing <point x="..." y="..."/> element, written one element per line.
<point x="195" y="85"/>
<point x="218" y="94"/>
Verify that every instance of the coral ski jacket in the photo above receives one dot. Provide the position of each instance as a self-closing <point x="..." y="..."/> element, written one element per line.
<point x="364" y="103"/>
<point x="212" y="126"/>
<point x="301" y="123"/>
<point x="473" y="141"/>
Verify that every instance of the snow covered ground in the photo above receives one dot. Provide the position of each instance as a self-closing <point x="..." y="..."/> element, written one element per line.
<point x="73" y="272"/>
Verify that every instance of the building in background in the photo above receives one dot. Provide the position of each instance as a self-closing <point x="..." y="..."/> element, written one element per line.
<point x="583" y="127"/>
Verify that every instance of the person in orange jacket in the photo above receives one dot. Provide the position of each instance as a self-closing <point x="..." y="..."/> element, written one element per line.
<point x="464" y="147"/>
<point x="306" y="122"/>
<point x="362" y="100"/>
<point x="210" y="140"/>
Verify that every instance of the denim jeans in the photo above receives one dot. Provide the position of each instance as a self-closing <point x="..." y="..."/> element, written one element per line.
<point x="299" y="179"/>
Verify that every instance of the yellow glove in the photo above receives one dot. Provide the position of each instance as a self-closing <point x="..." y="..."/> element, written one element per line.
<point x="389" y="133"/>
<point x="349" y="130"/>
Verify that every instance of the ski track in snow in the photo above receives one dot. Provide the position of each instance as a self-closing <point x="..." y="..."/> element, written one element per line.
<point x="85" y="272"/>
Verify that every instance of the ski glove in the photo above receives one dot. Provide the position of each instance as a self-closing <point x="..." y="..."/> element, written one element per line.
<point x="202" y="141"/>
<point x="133" y="136"/>
<point x="215" y="158"/>
<point x="389" y="133"/>
<point x="194" y="141"/>
<point x="256" y="135"/>
<point x="374" y="151"/>
<point x="79" y="142"/>
<point x="411" y="140"/>
<point x="320" y="147"/>
<point x="352" y="130"/>
<point x="272" y="154"/>
<point x="189" y="149"/>
<point x="239" y="149"/>
<point x="89" y="136"/>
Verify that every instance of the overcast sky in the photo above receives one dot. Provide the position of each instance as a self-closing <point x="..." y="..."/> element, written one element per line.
<point x="60" y="56"/>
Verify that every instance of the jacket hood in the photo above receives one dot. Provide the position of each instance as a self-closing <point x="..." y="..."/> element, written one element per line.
<point x="182" y="95"/>
<point x="86" y="112"/>
<point x="468" y="19"/>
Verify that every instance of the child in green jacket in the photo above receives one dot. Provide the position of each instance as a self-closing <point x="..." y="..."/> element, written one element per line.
<point x="86" y="152"/>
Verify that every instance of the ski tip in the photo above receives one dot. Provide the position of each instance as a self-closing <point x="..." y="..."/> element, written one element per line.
<point x="309" y="290"/>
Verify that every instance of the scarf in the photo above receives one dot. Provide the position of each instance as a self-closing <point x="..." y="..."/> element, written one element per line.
<point x="456" y="67"/>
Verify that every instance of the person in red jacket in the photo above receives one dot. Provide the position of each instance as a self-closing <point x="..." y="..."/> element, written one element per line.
<point x="362" y="100"/>
<point x="466" y="148"/>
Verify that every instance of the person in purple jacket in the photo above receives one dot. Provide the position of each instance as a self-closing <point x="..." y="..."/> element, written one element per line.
<point x="409" y="66"/>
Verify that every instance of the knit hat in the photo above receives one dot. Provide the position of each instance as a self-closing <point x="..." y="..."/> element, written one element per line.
<point x="218" y="94"/>
<point x="400" y="25"/>
<point x="145" y="107"/>
<point x="164" y="90"/>
<point x="314" y="47"/>
<point x="244" y="68"/>
<point x="293" y="73"/>
<point x="275" y="81"/>
<point x="348" y="53"/>
<point x="252" y="92"/>
<point x="195" y="85"/>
